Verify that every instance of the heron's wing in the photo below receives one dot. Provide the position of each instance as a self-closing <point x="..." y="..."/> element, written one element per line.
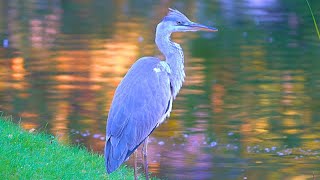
<point x="141" y="101"/>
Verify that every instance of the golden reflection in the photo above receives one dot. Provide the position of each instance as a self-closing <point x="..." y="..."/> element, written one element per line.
<point x="262" y="125"/>
<point x="279" y="92"/>
<point x="170" y="128"/>
<point x="18" y="74"/>
<point x="302" y="177"/>
<point x="154" y="167"/>
<point x="195" y="76"/>
<point x="95" y="72"/>
<point x="29" y="125"/>
<point x="119" y="52"/>
<point x="217" y="97"/>
<point x="17" y="68"/>
<point x="59" y="125"/>
<point x="30" y="115"/>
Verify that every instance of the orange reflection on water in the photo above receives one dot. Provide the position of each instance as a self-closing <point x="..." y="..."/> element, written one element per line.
<point x="170" y="128"/>
<point x="217" y="97"/>
<point x="194" y="76"/>
<point x="59" y="125"/>
<point x="281" y="97"/>
<point x="29" y="125"/>
<point x="17" y="68"/>
<point x="93" y="73"/>
<point x="18" y="73"/>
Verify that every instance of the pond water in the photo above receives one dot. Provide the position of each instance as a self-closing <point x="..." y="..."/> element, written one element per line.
<point x="249" y="107"/>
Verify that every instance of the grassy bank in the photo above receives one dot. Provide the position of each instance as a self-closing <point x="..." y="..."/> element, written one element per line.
<point x="26" y="155"/>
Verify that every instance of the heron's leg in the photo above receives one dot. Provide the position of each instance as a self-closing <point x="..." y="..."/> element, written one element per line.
<point x="135" y="165"/>
<point x="145" y="153"/>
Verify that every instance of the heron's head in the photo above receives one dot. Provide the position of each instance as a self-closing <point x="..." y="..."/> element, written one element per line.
<point x="175" y="21"/>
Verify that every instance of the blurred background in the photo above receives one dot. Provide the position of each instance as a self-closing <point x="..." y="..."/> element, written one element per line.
<point x="249" y="106"/>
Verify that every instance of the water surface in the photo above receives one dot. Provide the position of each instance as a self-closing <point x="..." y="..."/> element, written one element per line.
<point x="249" y="107"/>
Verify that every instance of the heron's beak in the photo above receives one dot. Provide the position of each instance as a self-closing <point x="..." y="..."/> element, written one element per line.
<point x="199" y="27"/>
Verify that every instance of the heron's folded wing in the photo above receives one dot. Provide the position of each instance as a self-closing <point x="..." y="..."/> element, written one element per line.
<point x="140" y="101"/>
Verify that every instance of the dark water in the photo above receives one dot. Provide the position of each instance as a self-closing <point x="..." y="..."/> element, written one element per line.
<point x="249" y="108"/>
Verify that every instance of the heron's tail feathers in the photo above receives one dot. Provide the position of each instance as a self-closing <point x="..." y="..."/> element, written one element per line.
<point x="115" y="154"/>
<point x="117" y="150"/>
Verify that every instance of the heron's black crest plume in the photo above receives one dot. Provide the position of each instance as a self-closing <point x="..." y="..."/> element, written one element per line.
<point x="174" y="11"/>
<point x="174" y="14"/>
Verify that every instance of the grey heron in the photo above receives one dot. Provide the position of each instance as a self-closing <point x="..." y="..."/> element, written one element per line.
<point x="143" y="99"/>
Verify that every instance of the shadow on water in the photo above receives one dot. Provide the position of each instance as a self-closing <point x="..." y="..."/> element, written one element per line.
<point x="249" y="107"/>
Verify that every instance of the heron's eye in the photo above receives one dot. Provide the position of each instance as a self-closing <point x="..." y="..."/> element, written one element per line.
<point x="179" y="22"/>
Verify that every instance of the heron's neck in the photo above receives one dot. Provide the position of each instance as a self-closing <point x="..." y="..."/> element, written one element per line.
<point x="174" y="57"/>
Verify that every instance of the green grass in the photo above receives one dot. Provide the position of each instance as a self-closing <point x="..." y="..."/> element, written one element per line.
<point x="314" y="19"/>
<point x="25" y="155"/>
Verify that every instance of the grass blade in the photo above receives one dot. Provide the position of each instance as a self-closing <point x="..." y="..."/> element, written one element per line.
<point x="314" y="19"/>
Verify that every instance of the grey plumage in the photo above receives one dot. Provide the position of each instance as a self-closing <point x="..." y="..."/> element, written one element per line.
<point x="144" y="97"/>
<point x="131" y="120"/>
